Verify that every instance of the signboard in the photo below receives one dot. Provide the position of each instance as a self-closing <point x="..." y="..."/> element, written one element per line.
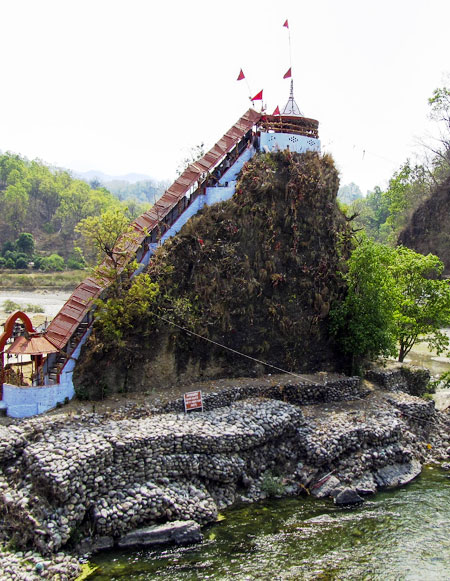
<point x="193" y="401"/>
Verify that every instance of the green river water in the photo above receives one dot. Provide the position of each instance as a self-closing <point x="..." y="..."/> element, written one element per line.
<point x="399" y="535"/>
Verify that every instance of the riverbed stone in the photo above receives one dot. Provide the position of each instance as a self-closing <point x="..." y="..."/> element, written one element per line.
<point x="325" y="490"/>
<point x="65" y="477"/>
<point x="395" y="475"/>
<point x="348" y="497"/>
<point x="177" y="532"/>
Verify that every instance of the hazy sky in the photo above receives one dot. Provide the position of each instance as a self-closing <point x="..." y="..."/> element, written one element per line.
<point x="128" y="86"/>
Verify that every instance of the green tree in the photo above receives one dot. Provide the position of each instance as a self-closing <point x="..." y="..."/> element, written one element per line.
<point x="102" y="235"/>
<point x="25" y="243"/>
<point x="364" y="321"/>
<point x="423" y="301"/>
<point x="15" y="201"/>
<point x="395" y="297"/>
<point x="118" y="313"/>
<point x="51" y="263"/>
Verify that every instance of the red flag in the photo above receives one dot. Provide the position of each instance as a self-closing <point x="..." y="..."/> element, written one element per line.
<point x="258" y="97"/>
<point x="277" y="111"/>
<point x="288" y="74"/>
<point x="286" y="24"/>
<point x="241" y="76"/>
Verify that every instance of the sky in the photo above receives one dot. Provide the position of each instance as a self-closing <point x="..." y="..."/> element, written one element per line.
<point x="125" y="86"/>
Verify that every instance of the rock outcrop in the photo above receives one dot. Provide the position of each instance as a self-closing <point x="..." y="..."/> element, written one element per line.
<point x="257" y="274"/>
<point x="429" y="228"/>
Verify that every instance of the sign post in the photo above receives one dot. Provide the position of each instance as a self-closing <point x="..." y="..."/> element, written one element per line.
<point x="193" y="401"/>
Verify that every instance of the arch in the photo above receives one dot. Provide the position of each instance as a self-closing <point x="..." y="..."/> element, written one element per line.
<point x="9" y="326"/>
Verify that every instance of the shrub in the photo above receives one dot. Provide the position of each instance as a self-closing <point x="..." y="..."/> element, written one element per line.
<point x="21" y="263"/>
<point x="10" y="306"/>
<point x="54" y="262"/>
<point x="271" y="484"/>
<point x="34" y="308"/>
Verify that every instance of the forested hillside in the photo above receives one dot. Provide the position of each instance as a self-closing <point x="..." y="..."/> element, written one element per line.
<point x="47" y="205"/>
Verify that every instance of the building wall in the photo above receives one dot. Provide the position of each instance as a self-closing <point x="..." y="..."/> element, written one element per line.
<point x="277" y="141"/>
<point x="23" y="402"/>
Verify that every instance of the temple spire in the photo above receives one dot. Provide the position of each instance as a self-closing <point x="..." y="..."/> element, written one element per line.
<point x="291" y="107"/>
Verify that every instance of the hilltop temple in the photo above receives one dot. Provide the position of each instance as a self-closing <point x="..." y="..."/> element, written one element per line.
<point x="209" y="180"/>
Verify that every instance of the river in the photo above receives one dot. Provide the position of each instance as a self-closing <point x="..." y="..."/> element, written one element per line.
<point x="399" y="535"/>
<point x="50" y="301"/>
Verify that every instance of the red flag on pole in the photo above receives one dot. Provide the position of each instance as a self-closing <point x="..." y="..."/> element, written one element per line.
<point x="258" y="97"/>
<point x="286" y="24"/>
<point x="277" y="111"/>
<point x="288" y="74"/>
<point x="241" y="76"/>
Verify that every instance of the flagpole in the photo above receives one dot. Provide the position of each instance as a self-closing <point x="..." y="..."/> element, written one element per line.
<point x="248" y="87"/>
<point x="290" y="50"/>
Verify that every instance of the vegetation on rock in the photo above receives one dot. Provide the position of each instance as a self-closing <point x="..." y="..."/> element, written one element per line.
<point x="257" y="274"/>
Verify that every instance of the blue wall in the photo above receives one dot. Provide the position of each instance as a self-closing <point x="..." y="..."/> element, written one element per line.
<point x="22" y="402"/>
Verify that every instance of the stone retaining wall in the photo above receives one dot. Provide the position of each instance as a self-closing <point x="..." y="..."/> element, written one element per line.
<point x="62" y="479"/>
<point x="412" y="380"/>
<point x="290" y="391"/>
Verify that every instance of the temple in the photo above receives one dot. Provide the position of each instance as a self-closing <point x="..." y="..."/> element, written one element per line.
<point x="209" y="180"/>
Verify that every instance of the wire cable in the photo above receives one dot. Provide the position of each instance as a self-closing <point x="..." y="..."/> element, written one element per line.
<point x="234" y="350"/>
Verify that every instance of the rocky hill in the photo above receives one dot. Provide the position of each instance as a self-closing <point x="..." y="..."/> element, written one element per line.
<point x="429" y="228"/>
<point x="257" y="274"/>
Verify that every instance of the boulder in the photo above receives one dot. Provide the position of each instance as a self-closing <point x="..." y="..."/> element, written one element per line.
<point x="395" y="475"/>
<point x="177" y="532"/>
<point x="348" y="497"/>
<point x="325" y="490"/>
<point x="365" y="484"/>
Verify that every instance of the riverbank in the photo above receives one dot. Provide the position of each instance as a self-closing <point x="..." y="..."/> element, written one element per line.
<point x="35" y="280"/>
<point x="91" y="478"/>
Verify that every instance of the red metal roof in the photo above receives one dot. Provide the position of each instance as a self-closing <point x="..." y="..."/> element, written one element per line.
<point x="31" y="346"/>
<point x="80" y="302"/>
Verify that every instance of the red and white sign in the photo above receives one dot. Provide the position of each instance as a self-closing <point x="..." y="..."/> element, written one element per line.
<point x="193" y="401"/>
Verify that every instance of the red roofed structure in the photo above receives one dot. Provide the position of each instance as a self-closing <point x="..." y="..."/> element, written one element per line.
<point x="210" y="179"/>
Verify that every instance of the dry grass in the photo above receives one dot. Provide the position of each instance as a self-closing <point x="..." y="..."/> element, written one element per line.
<point x="23" y="280"/>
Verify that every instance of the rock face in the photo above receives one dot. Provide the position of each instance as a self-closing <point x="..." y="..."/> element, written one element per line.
<point x="259" y="273"/>
<point x="429" y="227"/>
<point x="63" y="478"/>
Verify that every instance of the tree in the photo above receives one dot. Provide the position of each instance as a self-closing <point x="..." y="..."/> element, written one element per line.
<point x="363" y="322"/>
<point x="52" y="263"/>
<point x="101" y="235"/>
<point x="349" y="193"/>
<point x="395" y="297"/>
<point x="15" y="203"/>
<point x="440" y="112"/>
<point x="193" y="154"/>
<point x="119" y="313"/>
<point x="423" y="301"/>
<point x="25" y="243"/>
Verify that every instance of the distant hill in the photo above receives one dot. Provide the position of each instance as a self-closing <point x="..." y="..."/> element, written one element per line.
<point x="349" y="193"/>
<point x="41" y="207"/>
<point x="132" y="187"/>
<point x="104" y="178"/>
